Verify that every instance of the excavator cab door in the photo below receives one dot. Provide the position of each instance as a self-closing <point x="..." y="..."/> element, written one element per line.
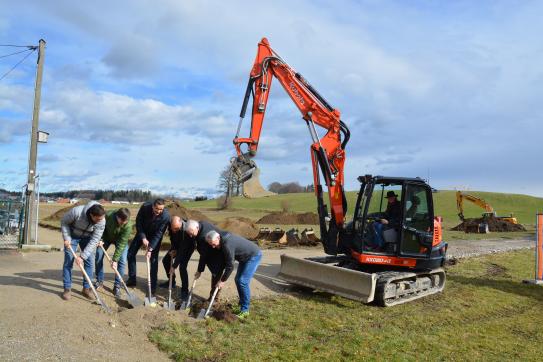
<point x="417" y="220"/>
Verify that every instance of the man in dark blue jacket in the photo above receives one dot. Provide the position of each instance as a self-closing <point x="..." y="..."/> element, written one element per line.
<point x="151" y="223"/>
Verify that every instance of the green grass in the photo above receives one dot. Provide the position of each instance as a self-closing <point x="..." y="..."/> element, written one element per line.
<point x="485" y="313"/>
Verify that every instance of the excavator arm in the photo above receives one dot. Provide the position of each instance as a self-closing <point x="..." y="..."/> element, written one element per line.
<point x="460" y="196"/>
<point x="327" y="152"/>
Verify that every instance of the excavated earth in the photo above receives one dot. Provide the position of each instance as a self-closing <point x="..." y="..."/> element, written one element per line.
<point x="240" y="226"/>
<point x="494" y="225"/>
<point x="289" y="218"/>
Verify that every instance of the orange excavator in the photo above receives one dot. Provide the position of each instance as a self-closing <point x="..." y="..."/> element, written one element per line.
<point x="380" y="256"/>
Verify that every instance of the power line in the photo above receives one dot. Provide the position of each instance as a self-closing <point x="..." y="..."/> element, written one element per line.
<point x="16" y="65"/>
<point x="18" y="46"/>
<point x="19" y="52"/>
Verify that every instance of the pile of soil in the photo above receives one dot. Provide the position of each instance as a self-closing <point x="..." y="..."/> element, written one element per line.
<point x="290" y="218"/>
<point x="176" y="209"/>
<point x="241" y="226"/>
<point x="57" y="216"/>
<point x="494" y="225"/>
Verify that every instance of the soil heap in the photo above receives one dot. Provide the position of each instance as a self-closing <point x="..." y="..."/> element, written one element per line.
<point x="176" y="209"/>
<point x="494" y="225"/>
<point x="241" y="226"/>
<point x="290" y="218"/>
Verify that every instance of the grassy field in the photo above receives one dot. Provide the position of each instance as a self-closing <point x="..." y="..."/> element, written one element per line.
<point x="485" y="313"/>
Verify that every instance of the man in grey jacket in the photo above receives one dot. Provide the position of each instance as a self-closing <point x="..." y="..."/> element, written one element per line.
<point x="83" y="225"/>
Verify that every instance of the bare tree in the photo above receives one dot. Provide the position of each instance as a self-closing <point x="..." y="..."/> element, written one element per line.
<point x="228" y="182"/>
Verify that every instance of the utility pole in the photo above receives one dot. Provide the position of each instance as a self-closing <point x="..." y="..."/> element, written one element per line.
<point x="31" y="181"/>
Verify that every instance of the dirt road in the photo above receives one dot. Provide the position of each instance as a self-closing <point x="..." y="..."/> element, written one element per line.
<point x="36" y="324"/>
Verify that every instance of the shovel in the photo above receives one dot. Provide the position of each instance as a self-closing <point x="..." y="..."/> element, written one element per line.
<point x="204" y="312"/>
<point x="185" y="305"/>
<point x="130" y="297"/>
<point x="170" y="305"/>
<point x="149" y="301"/>
<point x="102" y="304"/>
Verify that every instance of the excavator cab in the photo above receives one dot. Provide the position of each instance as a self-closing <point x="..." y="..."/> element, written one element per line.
<point x="409" y="226"/>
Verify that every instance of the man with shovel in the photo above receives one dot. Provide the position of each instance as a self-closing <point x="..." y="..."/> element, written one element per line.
<point x="197" y="230"/>
<point x="117" y="232"/>
<point x="151" y="223"/>
<point x="83" y="225"/>
<point x="177" y="235"/>
<point x="235" y="247"/>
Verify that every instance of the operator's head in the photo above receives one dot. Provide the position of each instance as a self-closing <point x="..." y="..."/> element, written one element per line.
<point x="96" y="213"/>
<point x="213" y="239"/>
<point x="158" y="206"/>
<point x="415" y="200"/>
<point x="192" y="228"/>
<point x="176" y="224"/>
<point x="122" y="215"/>
<point x="391" y="196"/>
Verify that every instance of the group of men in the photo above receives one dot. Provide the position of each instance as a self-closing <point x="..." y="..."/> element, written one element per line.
<point x="94" y="231"/>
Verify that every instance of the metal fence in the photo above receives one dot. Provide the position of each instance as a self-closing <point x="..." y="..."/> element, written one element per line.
<point x="11" y="217"/>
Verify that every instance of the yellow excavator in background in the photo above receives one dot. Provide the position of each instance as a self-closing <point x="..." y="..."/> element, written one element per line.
<point x="489" y="210"/>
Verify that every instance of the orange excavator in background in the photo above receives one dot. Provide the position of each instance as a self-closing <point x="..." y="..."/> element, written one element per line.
<point x="389" y="264"/>
<point x="489" y="210"/>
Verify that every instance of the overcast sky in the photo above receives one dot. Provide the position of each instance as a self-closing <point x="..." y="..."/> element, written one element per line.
<point x="146" y="94"/>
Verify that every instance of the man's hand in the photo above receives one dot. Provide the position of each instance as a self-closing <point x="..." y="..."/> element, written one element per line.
<point x="145" y="242"/>
<point x="100" y="243"/>
<point x="78" y="260"/>
<point x="67" y="243"/>
<point x="197" y="275"/>
<point x="114" y="264"/>
<point x="220" y="284"/>
<point x="384" y="221"/>
<point x="173" y="253"/>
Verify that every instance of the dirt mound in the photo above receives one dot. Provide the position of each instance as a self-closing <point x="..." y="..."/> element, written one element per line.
<point x="494" y="225"/>
<point x="240" y="226"/>
<point x="57" y="216"/>
<point x="290" y="218"/>
<point x="176" y="209"/>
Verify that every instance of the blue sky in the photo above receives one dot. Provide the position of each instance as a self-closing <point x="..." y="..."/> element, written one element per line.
<point x="146" y="94"/>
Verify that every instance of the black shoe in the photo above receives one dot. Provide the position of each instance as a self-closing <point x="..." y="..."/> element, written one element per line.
<point x="117" y="292"/>
<point x="131" y="282"/>
<point x="184" y="295"/>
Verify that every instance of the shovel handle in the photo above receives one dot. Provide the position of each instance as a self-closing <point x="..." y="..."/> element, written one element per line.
<point x="190" y="293"/>
<point x="87" y="278"/>
<point x="148" y="276"/>
<point x="212" y="300"/>
<point x="115" y="270"/>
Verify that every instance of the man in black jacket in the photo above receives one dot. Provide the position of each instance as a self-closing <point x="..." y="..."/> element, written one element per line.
<point x="247" y="253"/>
<point x="151" y="223"/>
<point x="177" y="235"/>
<point x="196" y="232"/>
<point x="391" y="220"/>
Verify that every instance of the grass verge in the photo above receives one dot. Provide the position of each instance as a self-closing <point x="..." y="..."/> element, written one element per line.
<point x="485" y="313"/>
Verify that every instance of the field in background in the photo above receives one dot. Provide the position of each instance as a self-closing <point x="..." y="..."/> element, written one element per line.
<point x="485" y="313"/>
<point x="522" y="206"/>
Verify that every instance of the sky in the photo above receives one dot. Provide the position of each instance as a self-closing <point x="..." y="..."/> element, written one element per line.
<point x="147" y="94"/>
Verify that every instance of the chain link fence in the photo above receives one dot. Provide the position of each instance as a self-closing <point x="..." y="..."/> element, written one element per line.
<point x="11" y="217"/>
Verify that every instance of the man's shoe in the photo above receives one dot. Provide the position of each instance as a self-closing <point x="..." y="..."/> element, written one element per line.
<point x="236" y="309"/>
<point x="87" y="292"/>
<point x="67" y="294"/>
<point x="184" y="295"/>
<point x="131" y="282"/>
<point x="117" y="292"/>
<point x="242" y="315"/>
<point x="98" y="285"/>
<point x="153" y="291"/>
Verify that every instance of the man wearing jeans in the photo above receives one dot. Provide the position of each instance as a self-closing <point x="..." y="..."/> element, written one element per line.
<point x="151" y="223"/>
<point x="117" y="232"/>
<point x="83" y="225"/>
<point x="248" y="255"/>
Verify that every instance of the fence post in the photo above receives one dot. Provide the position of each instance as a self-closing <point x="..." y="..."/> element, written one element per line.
<point x="538" y="251"/>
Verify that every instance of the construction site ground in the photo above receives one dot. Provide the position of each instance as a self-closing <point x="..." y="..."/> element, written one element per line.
<point x="30" y="303"/>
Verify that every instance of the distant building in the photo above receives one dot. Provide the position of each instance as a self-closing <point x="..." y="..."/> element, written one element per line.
<point x="120" y="202"/>
<point x="61" y="200"/>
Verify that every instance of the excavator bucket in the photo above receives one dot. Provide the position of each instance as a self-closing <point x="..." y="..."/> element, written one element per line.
<point x="309" y="238"/>
<point x="327" y="277"/>
<point x="276" y="236"/>
<point x="252" y="188"/>
<point x="246" y="171"/>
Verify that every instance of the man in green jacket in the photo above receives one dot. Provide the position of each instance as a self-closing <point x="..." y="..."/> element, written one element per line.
<point x="117" y="231"/>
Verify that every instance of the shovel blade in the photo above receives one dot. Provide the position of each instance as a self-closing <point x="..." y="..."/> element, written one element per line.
<point x="202" y="314"/>
<point x="134" y="301"/>
<point x="150" y="302"/>
<point x="169" y="305"/>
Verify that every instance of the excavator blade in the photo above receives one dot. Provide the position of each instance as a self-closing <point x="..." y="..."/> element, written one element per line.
<point x="333" y="279"/>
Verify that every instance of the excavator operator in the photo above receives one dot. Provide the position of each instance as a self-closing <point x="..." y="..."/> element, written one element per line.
<point x="391" y="219"/>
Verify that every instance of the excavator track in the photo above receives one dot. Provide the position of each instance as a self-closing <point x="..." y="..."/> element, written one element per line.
<point x="395" y="288"/>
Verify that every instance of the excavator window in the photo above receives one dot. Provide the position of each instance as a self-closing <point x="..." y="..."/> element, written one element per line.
<point x="417" y="219"/>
